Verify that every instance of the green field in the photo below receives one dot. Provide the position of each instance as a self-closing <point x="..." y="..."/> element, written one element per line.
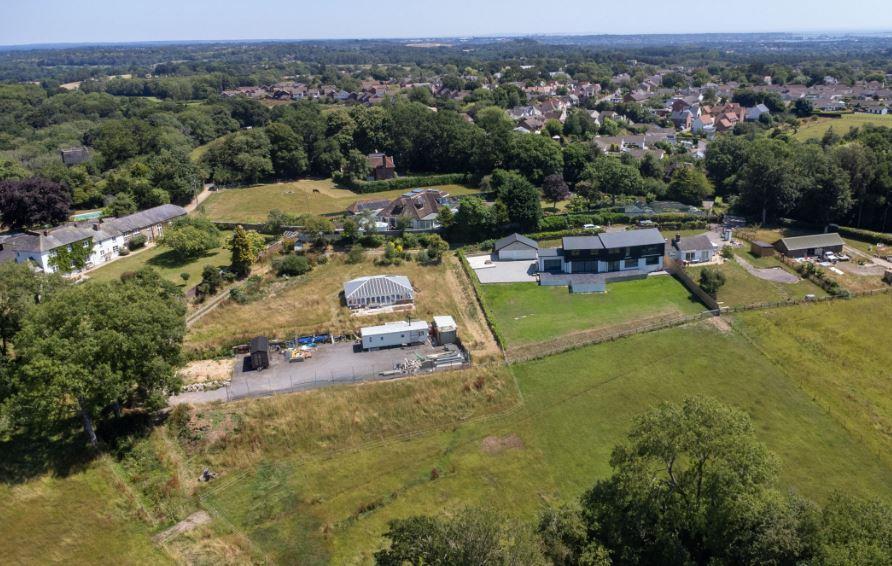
<point x="319" y="475"/>
<point x="741" y="288"/>
<point x="166" y="263"/>
<point x="73" y="519"/>
<point x="307" y="196"/>
<point x="815" y="129"/>
<point x="526" y="313"/>
<point x="333" y="506"/>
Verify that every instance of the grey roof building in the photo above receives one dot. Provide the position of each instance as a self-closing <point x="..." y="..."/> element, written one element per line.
<point x="378" y="291"/>
<point x="814" y="245"/>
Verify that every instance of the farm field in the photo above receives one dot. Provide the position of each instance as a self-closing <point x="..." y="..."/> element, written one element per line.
<point x="166" y="263"/>
<point x="525" y="312"/>
<point x="312" y="303"/>
<point x="815" y="129"/>
<point x="333" y="506"/>
<point x="251" y="204"/>
<point x="741" y="288"/>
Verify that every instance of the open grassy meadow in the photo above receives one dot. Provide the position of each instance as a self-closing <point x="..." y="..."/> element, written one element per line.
<point x="741" y="288"/>
<point x="166" y="263"/>
<point x="303" y="483"/>
<point x="307" y="196"/>
<point x="75" y="518"/>
<point x="312" y="303"/>
<point x="815" y="129"/>
<point x="525" y="312"/>
<point x="318" y="475"/>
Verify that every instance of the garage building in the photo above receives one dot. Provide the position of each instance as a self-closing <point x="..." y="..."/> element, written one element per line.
<point x="402" y="333"/>
<point x="516" y="247"/>
<point x="810" y="246"/>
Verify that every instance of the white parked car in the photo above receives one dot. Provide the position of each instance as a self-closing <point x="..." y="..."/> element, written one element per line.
<point x="592" y="227"/>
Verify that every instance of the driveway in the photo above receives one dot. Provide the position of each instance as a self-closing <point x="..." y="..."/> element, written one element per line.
<point x="331" y="364"/>
<point x="775" y="274"/>
<point x="491" y="270"/>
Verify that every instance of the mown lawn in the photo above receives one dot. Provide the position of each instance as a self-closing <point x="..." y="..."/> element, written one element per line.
<point x="741" y="288"/>
<point x="815" y="129"/>
<point x="252" y="204"/>
<point x="526" y="313"/>
<point x="165" y="262"/>
<point x="333" y="507"/>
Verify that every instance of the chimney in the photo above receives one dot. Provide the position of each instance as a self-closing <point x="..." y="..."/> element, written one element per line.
<point x="46" y="232"/>
<point x="677" y="238"/>
<point x="96" y="226"/>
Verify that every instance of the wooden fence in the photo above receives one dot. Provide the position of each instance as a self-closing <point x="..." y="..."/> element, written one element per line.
<point x="677" y="270"/>
<point x="599" y="335"/>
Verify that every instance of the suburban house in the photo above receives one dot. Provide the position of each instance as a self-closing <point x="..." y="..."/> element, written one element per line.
<point x="810" y="246"/>
<point x="376" y="291"/>
<point x="420" y="207"/>
<point x="107" y="237"/>
<point x="756" y="112"/>
<point x="382" y="166"/>
<point x="586" y="263"/>
<point x="692" y="249"/>
<point x="516" y="247"/>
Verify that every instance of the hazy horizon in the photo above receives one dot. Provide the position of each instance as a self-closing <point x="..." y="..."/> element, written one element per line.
<point x="49" y="22"/>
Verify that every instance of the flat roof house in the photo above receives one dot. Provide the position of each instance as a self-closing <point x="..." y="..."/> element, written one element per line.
<point x="378" y="291"/>
<point x="587" y="263"/>
<point x="808" y="246"/>
<point x="516" y="247"/>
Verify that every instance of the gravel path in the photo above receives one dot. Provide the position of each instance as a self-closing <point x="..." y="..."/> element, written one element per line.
<point x="775" y="274"/>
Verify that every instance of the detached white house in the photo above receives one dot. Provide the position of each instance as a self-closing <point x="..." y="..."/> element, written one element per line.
<point x="106" y="238"/>
<point x="692" y="249"/>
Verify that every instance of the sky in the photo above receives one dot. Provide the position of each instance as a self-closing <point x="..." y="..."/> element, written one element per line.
<point x="96" y="21"/>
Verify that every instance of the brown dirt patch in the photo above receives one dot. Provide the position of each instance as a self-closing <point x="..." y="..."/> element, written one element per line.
<point x="719" y="323"/>
<point x="497" y="444"/>
<point x="200" y="371"/>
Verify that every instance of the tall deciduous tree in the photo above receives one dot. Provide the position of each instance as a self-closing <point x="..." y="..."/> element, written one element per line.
<point x="555" y="189"/>
<point x="20" y="290"/>
<point x="191" y="237"/>
<point x="89" y="347"/>
<point x="689" y="185"/>
<point x="33" y="202"/>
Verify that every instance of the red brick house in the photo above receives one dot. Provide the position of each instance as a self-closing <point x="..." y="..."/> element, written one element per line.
<point x="382" y="166"/>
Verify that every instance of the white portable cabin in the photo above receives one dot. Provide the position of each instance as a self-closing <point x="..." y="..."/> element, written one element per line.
<point x="394" y="334"/>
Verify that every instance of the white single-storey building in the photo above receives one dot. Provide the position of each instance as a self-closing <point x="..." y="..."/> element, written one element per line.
<point x="516" y="247"/>
<point x="400" y="333"/>
<point x="378" y="291"/>
<point x="692" y="249"/>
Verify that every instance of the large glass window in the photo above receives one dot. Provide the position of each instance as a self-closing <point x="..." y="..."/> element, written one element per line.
<point x="652" y="260"/>
<point x="630" y="263"/>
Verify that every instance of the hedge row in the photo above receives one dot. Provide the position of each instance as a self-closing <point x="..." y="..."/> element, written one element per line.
<point x="868" y="236"/>
<point x="410" y="182"/>
<point x="569" y="221"/>
<point x="490" y="319"/>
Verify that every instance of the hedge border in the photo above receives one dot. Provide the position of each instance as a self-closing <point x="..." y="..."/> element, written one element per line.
<point x="366" y="187"/>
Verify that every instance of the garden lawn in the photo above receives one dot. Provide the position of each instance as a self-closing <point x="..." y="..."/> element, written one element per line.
<point x="252" y="204"/>
<point x="525" y="312"/>
<point x="165" y="262"/>
<point x="741" y="288"/>
<point x="815" y="129"/>
<point x="333" y="507"/>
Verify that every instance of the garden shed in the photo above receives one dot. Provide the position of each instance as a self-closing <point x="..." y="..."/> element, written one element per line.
<point x="259" y="352"/>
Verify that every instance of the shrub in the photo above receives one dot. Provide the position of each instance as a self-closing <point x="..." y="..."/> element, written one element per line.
<point x="291" y="265"/>
<point x="371" y="241"/>
<point x="355" y="255"/>
<point x="136" y="242"/>
<point x="727" y="252"/>
<point x="124" y="251"/>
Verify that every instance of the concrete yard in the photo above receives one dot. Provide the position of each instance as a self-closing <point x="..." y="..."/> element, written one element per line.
<point x="490" y="270"/>
<point x="331" y="364"/>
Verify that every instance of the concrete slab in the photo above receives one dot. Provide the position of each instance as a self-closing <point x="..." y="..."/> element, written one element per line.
<point x="490" y="270"/>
